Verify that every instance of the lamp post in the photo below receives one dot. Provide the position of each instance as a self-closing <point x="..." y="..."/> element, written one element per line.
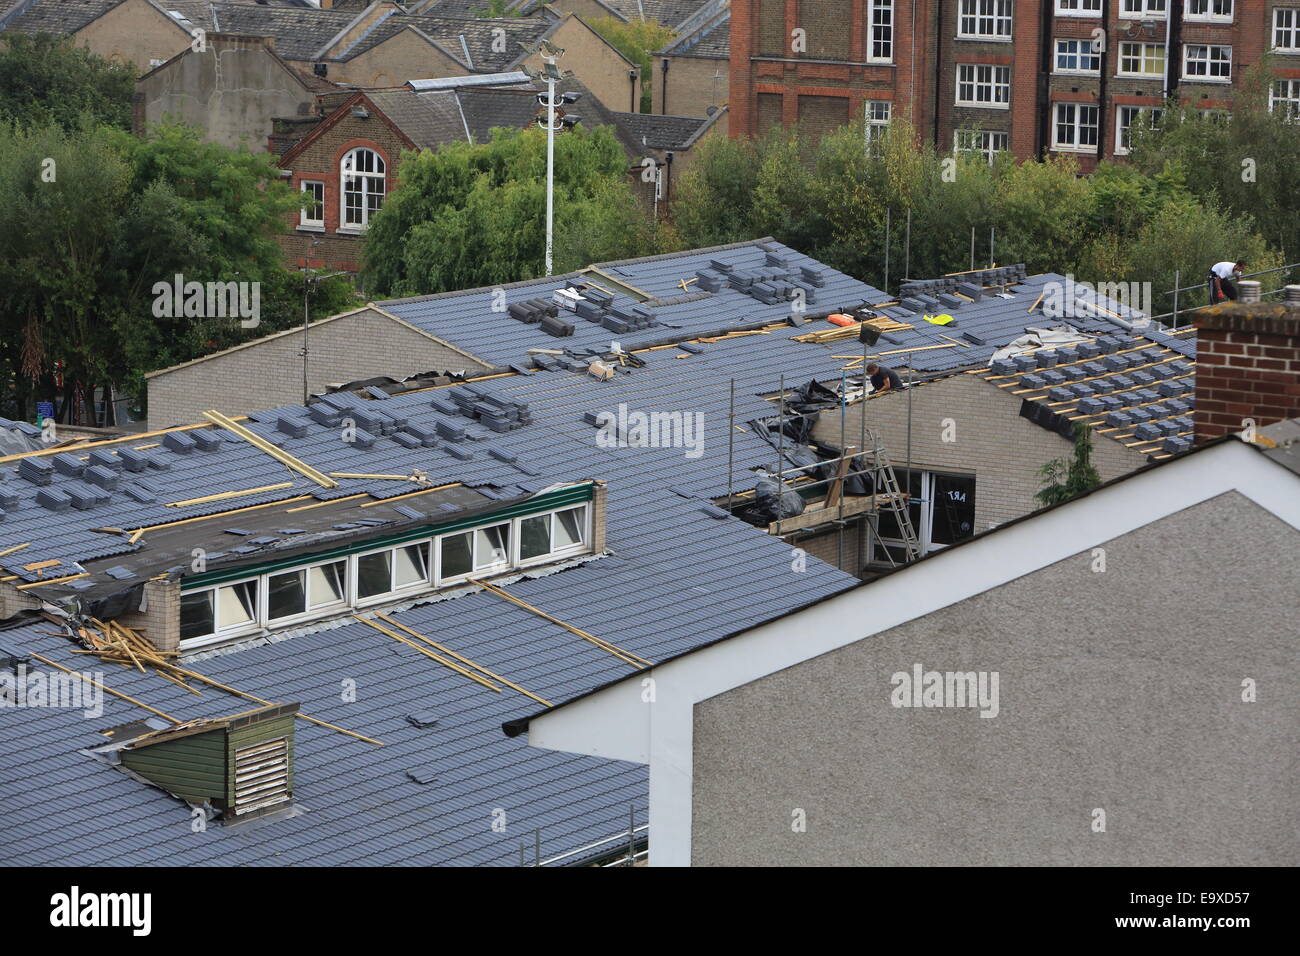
<point x="306" y="324"/>
<point x="551" y="74"/>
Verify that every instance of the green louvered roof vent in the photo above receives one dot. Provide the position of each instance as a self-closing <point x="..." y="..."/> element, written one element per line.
<point x="240" y="765"/>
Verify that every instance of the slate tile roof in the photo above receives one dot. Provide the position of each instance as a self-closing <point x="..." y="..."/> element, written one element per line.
<point x="479" y="37"/>
<point x="710" y="38"/>
<point x="670" y="13"/>
<point x="59" y="17"/>
<point x="673" y="579"/>
<point x="465" y="318"/>
<point x="656" y="131"/>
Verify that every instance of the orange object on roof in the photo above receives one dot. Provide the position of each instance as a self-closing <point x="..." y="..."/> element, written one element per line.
<point x="839" y="319"/>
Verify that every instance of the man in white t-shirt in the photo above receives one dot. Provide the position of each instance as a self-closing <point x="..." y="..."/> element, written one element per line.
<point x="1223" y="280"/>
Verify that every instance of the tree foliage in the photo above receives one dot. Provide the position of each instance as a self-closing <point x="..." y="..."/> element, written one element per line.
<point x="46" y="80"/>
<point x="847" y="202"/>
<point x="470" y="216"/>
<point x="95" y="218"/>
<point x="1070" y="477"/>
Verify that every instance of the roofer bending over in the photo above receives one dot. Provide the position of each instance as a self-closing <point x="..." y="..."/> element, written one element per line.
<point x="1223" y="280"/>
<point x="883" y="378"/>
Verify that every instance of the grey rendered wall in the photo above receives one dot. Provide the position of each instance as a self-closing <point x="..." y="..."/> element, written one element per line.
<point x="1119" y="690"/>
<point x="230" y="92"/>
<point x="1004" y="450"/>
<point x="268" y="373"/>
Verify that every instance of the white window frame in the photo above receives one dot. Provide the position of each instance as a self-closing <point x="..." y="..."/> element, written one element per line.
<point x="1078" y="8"/>
<point x="309" y="611"/>
<point x="986" y="142"/>
<point x="1209" y="60"/>
<point x="1144" y="56"/>
<point x="875" y="126"/>
<point x="1084" y="50"/>
<point x="1077" y="125"/>
<point x="993" y="84"/>
<point x="220" y="633"/>
<point x="584" y="529"/>
<point x="1208" y="11"/>
<point x="367" y="181"/>
<point x="880" y="31"/>
<point x="986" y="19"/>
<point x="1290" y="96"/>
<point x="1290" y="29"/>
<point x="1143" y="9"/>
<point x="354" y="575"/>
<point x="1153" y="114"/>
<point x="303" y="221"/>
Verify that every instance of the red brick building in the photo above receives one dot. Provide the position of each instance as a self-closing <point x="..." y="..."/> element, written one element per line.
<point x="1063" y="76"/>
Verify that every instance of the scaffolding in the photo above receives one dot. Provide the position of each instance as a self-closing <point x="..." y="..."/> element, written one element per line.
<point x="867" y="460"/>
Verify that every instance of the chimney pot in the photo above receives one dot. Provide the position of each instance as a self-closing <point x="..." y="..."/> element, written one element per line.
<point x="1293" y="294"/>
<point x="1249" y="290"/>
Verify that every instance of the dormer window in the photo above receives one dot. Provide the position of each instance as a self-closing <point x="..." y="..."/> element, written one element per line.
<point x="411" y="565"/>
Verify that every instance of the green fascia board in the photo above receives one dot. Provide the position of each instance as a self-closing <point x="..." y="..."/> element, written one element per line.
<point x="573" y="494"/>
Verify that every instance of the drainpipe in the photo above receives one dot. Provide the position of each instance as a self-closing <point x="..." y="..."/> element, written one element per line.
<point x="663" y="101"/>
<point x="668" y="179"/>
<point x="1173" y="48"/>
<point x="631" y="77"/>
<point x="938" y="81"/>
<point x="1103" y="127"/>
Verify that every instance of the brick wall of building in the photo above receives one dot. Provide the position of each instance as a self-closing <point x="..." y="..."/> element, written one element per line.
<point x="319" y="160"/>
<point x="232" y="92"/>
<point x="402" y="57"/>
<point x="694" y="84"/>
<point x="134" y="32"/>
<point x="923" y="76"/>
<point x="1247" y="367"/>
<point x="596" y="64"/>
<point x="160" y="621"/>
<point x="267" y="373"/>
<point x="1002" y="450"/>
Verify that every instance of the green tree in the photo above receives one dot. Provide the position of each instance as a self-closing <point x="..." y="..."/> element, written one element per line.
<point x="472" y="215"/>
<point x="638" y="40"/>
<point x="1248" y="162"/>
<point x="496" y="9"/>
<point x="1070" y="477"/>
<point x="46" y="80"/>
<point x="95" y="219"/>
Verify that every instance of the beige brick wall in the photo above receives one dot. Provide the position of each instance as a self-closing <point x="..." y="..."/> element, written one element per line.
<point x="599" y="508"/>
<point x="13" y="600"/>
<point x="134" y="32"/>
<point x="268" y="372"/>
<point x="160" y="621"/>
<point x="1003" y="450"/>
<point x="232" y="92"/>
<point x="694" y="84"/>
<point x="595" y="63"/>
<point x="405" y="56"/>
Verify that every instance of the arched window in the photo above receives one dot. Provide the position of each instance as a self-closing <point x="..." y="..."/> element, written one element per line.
<point x="362" y="172"/>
